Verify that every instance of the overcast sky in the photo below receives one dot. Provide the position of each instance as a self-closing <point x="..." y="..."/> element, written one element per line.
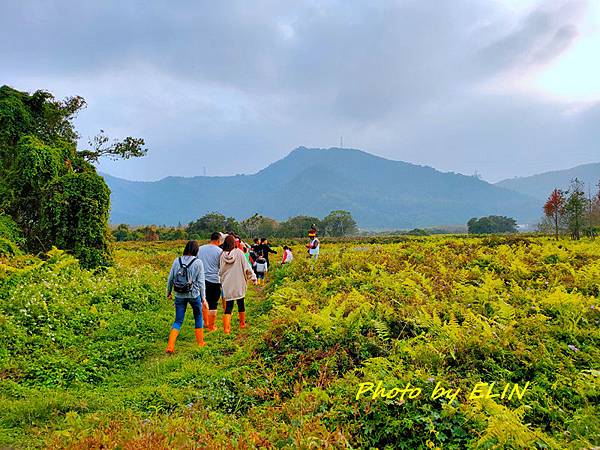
<point x="498" y="87"/>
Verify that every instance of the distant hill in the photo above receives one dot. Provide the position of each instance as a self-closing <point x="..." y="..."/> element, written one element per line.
<point x="380" y="193"/>
<point x="540" y="186"/>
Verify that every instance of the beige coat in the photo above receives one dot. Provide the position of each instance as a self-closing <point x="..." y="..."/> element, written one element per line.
<point x="234" y="272"/>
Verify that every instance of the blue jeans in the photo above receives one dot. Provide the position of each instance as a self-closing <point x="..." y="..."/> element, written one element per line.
<point x="180" y="307"/>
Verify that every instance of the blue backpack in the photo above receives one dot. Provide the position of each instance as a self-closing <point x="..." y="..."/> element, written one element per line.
<point x="182" y="283"/>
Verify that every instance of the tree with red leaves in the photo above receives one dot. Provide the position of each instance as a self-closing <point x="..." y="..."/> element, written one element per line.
<point x="554" y="208"/>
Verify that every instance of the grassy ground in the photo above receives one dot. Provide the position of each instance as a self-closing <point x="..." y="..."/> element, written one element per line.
<point x="149" y="390"/>
<point x="82" y="362"/>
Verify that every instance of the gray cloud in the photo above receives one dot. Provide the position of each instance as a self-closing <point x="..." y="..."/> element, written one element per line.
<point x="398" y="78"/>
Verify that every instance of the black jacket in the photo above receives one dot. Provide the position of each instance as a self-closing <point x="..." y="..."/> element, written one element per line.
<point x="265" y="250"/>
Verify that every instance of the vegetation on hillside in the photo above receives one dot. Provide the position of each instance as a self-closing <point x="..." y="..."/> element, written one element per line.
<point x="47" y="186"/>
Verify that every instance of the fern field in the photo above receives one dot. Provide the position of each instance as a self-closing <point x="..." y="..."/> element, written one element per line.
<point x="82" y="361"/>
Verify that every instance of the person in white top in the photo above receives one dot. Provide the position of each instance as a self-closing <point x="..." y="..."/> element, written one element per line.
<point x="313" y="244"/>
<point x="287" y="255"/>
<point x="313" y="249"/>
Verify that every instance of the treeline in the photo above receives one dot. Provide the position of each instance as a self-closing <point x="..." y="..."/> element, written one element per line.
<point x="572" y="212"/>
<point x="336" y="224"/>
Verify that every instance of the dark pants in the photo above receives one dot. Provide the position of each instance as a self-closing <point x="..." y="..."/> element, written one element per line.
<point x="213" y="294"/>
<point x="240" y="303"/>
<point x="181" y="306"/>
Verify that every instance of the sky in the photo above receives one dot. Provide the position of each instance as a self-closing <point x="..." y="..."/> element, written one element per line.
<point x="500" y="88"/>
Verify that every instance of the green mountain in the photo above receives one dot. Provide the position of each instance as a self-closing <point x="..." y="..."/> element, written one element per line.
<point x="540" y="186"/>
<point x="380" y="193"/>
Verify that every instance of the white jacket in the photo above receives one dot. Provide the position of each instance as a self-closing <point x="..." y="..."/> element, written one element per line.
<point x="234" y="271"/>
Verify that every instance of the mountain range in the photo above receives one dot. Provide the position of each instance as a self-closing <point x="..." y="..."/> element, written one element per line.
<point x="380" y="193"/>
<point x="541" y="185"/>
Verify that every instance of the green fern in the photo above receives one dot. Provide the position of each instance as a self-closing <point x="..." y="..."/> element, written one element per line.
<point x="383" y="331"/>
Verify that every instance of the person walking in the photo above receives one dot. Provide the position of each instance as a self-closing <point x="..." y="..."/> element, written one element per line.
<point x="262" y="267"/>
<point x="265" y="249"/>
<point x="187" y="280"/>
<point x="210" y="255"/>
<point x="234" y="272"/>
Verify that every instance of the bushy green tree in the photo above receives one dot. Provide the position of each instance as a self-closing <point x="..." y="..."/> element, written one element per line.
<point x="298" y="226"/>
<point x="74" y="216"/>
<point x="576" y="208"/>
<point x="122" y="233"/>
<point x="259" y="226"/>
<point x="214" y="221"/>
<point x="47" y="185"/>
<point x="492" y="224"/>
<point x="339" y="223"/>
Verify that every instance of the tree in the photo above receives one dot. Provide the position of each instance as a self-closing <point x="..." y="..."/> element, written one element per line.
<point x="298" y="226"/>
<point x="74" y="216"/>
<point x="595" y="208"/>
<point x="492" y="224"/>
<point x="575" y="208"/>
<point x="259" y="226"/>
<point x="339" y="223"/>
<point x="151" y="233"/>
<point x="102" y="146"/>
<point x="122" y="233"/>
<point x="47" y="185"/>
<point x="555" y="208"/>
<point x="207" y="224"/>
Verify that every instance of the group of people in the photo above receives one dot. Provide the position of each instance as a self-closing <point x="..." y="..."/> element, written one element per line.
<point x="219" y="269"/>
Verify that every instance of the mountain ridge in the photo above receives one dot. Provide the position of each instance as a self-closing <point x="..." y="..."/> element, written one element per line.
<point x="540" y="185"/>
<point x="379" y="192"/>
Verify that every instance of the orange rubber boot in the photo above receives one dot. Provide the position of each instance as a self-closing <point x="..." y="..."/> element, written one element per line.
<point x="200" y="337"/>
<point x="243" y="320"/>
<point x="172" y="338"/>
<point x="205" y="316"/>
<point x="227" y="323"/>
<point x="212" y="319"/>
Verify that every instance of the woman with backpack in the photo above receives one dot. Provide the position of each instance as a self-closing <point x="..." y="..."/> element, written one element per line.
<point x="234" y="272"/>
<point x="187" y="280"/>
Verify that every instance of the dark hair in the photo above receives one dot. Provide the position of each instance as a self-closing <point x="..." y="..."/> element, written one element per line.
<point x="285" y="247"/>
<point x="191" y="248"/>
<point x="229" y="243"/>
<point x="263" y="239"/>
<point x="256" y="240"/>
<point x="216" y="236"/>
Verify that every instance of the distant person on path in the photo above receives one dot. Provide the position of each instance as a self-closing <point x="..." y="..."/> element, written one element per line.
<point x="313" y="244"/>
<point x="287" y="255"/>
<point x="234" y="272"/>
<point x="262" y="267"/>
<point x="210" y="255"/>
<point x="254" y="249"/>
<point x="265" y="248"/>
<point x="187" y="280"/>
<point x="246" y="254"/>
